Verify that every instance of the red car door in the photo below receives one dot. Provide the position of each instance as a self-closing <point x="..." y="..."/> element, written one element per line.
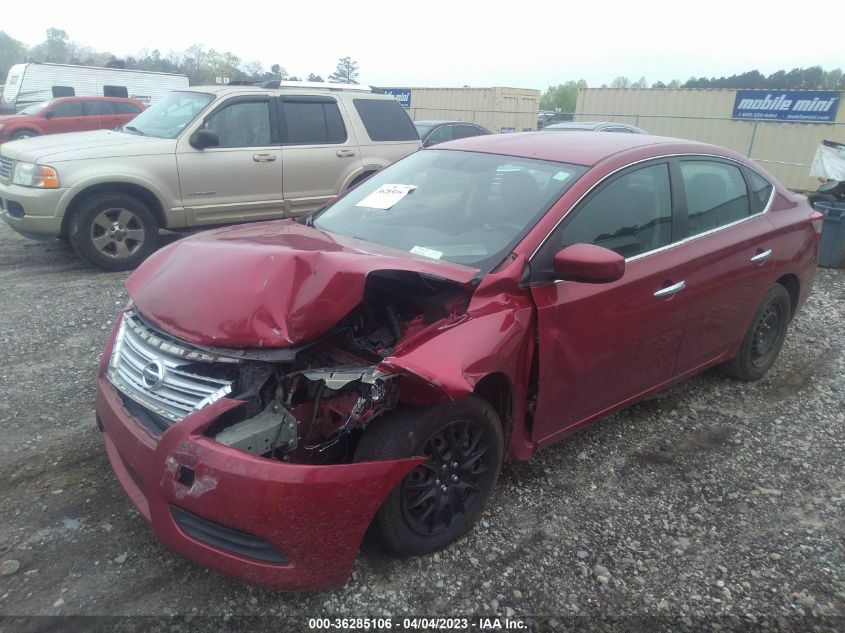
<point x="64" y="116"/>
<point x="727" y="261"/>
<point x="603" y="344"/>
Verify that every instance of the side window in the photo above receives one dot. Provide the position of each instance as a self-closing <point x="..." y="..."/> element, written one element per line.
<point x="631" y="215"/>
<point x="313" y="122"/>
<point x="66" y="109"/>
<point x="116" y="91"/>
<point x="715" y="192"/>
<point x="439" y="135"/>
<point x="125" y="108"/>
<point x="242" y="124"/>
<point x="63" y="91"/>
<point x="761" y="190"/>
<point x="97" y="108"/>
<point x="385" y="120"/>
<point x="465" y="131"/>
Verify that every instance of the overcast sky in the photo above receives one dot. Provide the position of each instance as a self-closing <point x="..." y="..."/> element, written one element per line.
<point x="433" y="43"/>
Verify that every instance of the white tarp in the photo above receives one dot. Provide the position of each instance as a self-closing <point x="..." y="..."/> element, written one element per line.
<point x="829" y="162"/>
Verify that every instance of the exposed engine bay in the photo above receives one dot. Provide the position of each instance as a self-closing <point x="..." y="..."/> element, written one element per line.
<point x="311" y="404"/>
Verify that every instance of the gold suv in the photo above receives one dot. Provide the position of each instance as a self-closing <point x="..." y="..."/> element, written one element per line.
<point x="199" y="157"/>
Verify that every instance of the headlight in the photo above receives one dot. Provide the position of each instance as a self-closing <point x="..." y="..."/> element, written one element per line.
<point x="31" y="175"/>
<point x="2" y="126"/>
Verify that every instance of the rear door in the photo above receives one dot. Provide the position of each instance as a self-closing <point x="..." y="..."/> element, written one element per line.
<point x="728" y="255"/>
<point x="602" y="344"/>
<point x="241" y="180"/>
<point x="103" y="112"/>
<point x="320" y="152"/>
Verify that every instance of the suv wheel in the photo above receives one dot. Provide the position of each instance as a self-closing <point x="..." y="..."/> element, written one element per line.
<point x="114" y="231"/>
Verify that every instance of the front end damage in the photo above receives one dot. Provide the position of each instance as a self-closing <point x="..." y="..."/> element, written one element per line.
<point x="244" y="459"/>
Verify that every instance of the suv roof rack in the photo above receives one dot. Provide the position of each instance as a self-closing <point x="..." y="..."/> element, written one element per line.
<point x="275" y="84"/>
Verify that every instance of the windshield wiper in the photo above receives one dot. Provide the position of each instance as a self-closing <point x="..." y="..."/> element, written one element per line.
<point x="134" y="129"/>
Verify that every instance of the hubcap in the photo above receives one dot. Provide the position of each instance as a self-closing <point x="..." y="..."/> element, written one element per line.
<point x="117" y="233"/>
<point x="438" y="493"/>
<point x="766" y="334"/>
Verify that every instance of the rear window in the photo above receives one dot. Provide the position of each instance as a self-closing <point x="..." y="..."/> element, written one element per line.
<point x="385" y="120"/>
<point x="125" y="108"/>
<point x="63" y="91"/>
<point x="315" y="122"/>
<point x="115" y="91"/>
<point x="716" y="194"/>
<point x="761" y="190"/>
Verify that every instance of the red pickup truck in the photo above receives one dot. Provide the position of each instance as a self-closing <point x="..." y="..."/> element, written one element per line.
<point x="69" y="114"/>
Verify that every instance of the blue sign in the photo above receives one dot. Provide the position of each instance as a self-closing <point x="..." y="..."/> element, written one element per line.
<point x="810" y="106"/>
<point x="402" y="95"/>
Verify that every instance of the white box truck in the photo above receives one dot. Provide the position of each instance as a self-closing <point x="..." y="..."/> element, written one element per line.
<point x="33" y="82"/>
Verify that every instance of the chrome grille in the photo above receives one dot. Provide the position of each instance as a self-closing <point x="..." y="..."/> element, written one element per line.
<point x="6" y="165"/>
<point x="162" y="374"/>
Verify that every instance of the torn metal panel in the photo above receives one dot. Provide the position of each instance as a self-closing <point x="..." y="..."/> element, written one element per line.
<point x="274" y="285"/>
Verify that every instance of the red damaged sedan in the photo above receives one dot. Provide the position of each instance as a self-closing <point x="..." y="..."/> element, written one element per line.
<point x="274" y="389"/>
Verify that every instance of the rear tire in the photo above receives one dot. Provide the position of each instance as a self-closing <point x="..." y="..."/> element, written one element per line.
<point x="113" y="231"/>
<point x="440" y="500"/>
<point x="763" y="340"/>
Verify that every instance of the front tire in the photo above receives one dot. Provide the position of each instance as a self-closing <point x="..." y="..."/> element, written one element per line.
<point x="763" y="340"/>
<point x="439" y="501"/>
<point x="23" y="134"/>
<point x="114" y="231"/>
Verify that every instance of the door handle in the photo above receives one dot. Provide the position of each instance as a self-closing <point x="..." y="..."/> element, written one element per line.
<point x="670" y="290"/>
<point x="345" y="153"/>
<point x="761" y="257"/>
<point x="263" y="158"/>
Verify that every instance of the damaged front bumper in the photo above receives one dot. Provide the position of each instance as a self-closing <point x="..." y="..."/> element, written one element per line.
<point x="291" y="526"/>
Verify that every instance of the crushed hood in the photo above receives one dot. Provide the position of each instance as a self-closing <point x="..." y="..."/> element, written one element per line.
<point x="86" y="145"/>
<point x="270" y="284"/>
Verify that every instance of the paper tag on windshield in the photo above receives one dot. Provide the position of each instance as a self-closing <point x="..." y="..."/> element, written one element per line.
<point x="426" y="252"/>
<point x="386" y="196"/>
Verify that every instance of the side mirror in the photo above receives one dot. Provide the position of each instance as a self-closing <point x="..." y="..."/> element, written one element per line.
<point x="588" y="263"/>
<point x="49" y="114"/>
<point x="204" y="138"/>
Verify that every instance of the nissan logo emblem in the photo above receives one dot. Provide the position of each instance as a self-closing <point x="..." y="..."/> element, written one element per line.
<point x="153" y="374"/>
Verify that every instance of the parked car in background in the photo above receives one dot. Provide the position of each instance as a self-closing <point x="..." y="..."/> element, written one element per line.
<point x="197" y="158"/>
<point x="276" y="388"/>
<point x="71" y="114"/>
<point x="594" y="126"/>
<point x="36" y="82"/>
<point x="434" y="132"/>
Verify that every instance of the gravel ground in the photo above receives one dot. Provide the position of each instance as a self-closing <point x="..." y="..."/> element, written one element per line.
<point x="716" y="504"/>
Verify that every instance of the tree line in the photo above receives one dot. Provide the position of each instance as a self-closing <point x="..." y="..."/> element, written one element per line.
<point x="202" y="65"/>
<point x="562" y="97"/>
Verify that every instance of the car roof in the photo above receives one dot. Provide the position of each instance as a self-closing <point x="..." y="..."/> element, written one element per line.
<point x="444" y="122"/>
<point x="309" y="86"/>
<point x="80" y="98"/>
<point x="579" y="148"/>
<point x="587" y="125"/>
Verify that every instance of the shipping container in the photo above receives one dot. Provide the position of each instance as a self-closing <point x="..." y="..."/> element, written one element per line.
<point x="784" y="148"/>
<point x="497" y="109"/>
<point x="32" y="82"/>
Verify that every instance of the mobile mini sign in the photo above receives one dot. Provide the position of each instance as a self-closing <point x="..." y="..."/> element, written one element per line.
<point x="790" y="105"/>
<point x="402" y="95"/>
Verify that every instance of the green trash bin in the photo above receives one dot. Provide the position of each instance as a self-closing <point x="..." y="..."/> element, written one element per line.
<point x="832" y="247"/>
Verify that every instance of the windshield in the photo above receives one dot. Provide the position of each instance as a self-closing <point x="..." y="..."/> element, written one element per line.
<point x="169" y="116"/>
<point x="463" y="207"/>
<point x="35" y="108"/>
<point x="422" y="130"/>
